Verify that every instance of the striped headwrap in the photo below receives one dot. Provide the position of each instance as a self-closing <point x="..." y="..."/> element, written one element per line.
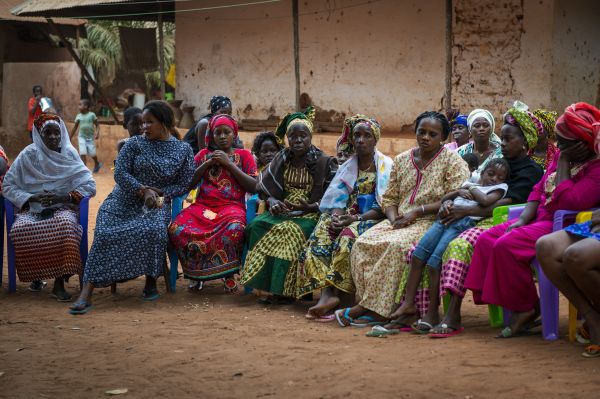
<point x="44" y="119"/>
<point x="548" y="119"/>
<point x="345" y="143"/>
<point x="305" y="118"/>
<point x="518" y="115"/>
<point x="581" y="121"/>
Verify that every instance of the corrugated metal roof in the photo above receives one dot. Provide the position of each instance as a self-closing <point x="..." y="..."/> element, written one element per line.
<point x="110" y="9"/>
<point x="7" y="5"/>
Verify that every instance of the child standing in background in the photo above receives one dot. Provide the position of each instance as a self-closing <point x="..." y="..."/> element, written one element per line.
<point x="89" y="131"/>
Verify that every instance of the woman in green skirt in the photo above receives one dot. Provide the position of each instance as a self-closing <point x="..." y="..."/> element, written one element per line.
<point x="293" y="185"/>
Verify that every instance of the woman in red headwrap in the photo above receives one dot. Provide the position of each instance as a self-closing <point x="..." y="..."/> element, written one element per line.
<point x="209" y="234"/>
<point x="571" y="257"/>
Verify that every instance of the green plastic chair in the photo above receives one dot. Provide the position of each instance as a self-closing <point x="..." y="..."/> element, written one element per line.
<point x="496" y="313"/>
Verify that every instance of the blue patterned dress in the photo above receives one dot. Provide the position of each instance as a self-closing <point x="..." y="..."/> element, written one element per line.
<point x="130" y="241"/>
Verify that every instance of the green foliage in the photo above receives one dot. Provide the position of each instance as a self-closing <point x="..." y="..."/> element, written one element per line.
<point x="101" y="50"/>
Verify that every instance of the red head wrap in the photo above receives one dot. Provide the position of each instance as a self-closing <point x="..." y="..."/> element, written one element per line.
<point x="43" y="119"/>
<point x="581" y="121"/>
<point x="220" y="120"/>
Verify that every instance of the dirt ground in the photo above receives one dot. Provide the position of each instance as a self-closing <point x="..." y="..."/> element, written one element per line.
<point x="214" y="345"/>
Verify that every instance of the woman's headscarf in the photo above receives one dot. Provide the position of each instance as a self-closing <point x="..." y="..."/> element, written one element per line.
<point x="456" y="118"/>
<point x="548" y="120"/>
<point x="481" y="113"/>
<point x="520" y="116"/>
<point x="581" y="121"/>
<point x="216" y="121"/>
<point x="345" y="143"/>
<point x="38" y="168"/>
<point x="305" y="118"/>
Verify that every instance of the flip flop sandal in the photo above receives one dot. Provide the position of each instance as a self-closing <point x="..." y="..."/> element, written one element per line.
<point x="325" y="318"/>
<point x="382" y="332"/>
<point x="417" y="330"/>
<point x="455" y="331"/>
<point x="370" y="322"/>
<point x="583" y="336"/>
<point x="507" y="332"/>
<point x="342" y="316"/>
<point x="231" y="285"/>
<point x="63" y="298"/>
<point x="401" y="327"/>
<point x="591" y="351"/>
<point x="195" y="285"/>
<point x="150" y="295"/>
<point x="87" y="307"/>
<point x="266" y="300"/>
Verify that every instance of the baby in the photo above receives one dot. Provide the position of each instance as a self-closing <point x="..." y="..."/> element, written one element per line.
<point x="429" y="250"/>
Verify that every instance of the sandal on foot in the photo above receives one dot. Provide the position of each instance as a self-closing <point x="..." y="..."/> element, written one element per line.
<point x="37" y="286"/>
<point x="62" y="296"/>
<point x="150" y="295"/>
<point x="454" y="331"/>
<point x="370" y="322"/>
<point x="230" y="285"/>
<point x="591" y="351"/>
<point x="382" y="332"/>
<point x="86" y="307"/>
<point x="417" y="330"/>
<point x="583" y="336"/>
<point x="507" y="332"/>
<point x="343" y="317"/>
<point x="195" y="286"/>
<point x="326" y="318"/>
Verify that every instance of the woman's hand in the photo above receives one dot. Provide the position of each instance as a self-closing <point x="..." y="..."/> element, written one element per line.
<point x="302" y="206"/>
<point x="277" y="207"/>
<point x="49" y="199"/>
<point x="516" y="225"/>
<point x="575" y="152"/>
<point x="445" y="209"/>
<point x="455" y="213"/>
<point x="405" y="219"/>
<point x="150" y="199"/>
<point x="338" y="222"/>
<point x="221" y="158"/>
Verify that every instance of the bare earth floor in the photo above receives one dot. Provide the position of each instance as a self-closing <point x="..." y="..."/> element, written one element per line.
<point x="214" y="345"/>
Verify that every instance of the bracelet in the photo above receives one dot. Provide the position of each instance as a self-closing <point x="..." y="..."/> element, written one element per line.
<point x="422" y="210"/>
<point x="359" y="218"/>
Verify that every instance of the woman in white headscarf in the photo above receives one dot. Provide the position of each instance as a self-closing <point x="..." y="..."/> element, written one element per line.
<point x="46" y="182"/>
<point x="484" y="142"/>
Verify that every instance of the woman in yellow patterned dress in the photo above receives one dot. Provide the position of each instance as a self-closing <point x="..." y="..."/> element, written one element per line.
<point x="293" y="185"/>
<point x="419" y="179"/>
<point x="350" y="206"/>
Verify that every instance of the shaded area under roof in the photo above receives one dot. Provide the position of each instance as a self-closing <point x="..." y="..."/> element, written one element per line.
<point x="136" y="10"/>
<point x="5" y="15"/>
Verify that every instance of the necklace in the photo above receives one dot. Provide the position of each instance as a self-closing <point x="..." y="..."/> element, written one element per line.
<point x="371" y="166"/>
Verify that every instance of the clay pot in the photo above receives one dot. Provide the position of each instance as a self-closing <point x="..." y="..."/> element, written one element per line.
<point x="175" y="104"/>
<point x="187" y="120"/>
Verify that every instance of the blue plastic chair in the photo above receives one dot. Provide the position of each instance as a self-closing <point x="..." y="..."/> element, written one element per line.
<point x="10" y="219"/>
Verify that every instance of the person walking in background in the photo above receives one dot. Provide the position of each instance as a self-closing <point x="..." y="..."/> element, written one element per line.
<point x="89" y="131"/>
<point x="34" y="108"/>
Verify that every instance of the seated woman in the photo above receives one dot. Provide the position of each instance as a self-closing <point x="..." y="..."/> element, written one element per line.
<point x="500" y="272"/>
<point x="518" y="134"/>
<point x="209" y="234"/>
<point x="420" y="177"/>
<point x="46" y="182"/>
<point x="293" y="184"/>
<point x="350" y="206"/>
<point x="459" y="130"/>
<point x="130" y="239"/>
<point x="545" y="151"/>
<point x="484" y="142"/>
<point x="570" y="258"/>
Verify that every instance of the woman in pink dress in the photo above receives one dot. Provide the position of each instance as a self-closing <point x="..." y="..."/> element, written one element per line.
<point x="500" y="272"/>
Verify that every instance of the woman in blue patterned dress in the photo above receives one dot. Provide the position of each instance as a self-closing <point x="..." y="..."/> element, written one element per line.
<point x="131" y="239"/>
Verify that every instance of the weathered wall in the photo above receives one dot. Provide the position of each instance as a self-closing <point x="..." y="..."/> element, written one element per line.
<point x="502" y="52"/>
<point x="244" y="53"/>
<point x="382" y="59"/>
<point x="60" y="81"/>
<point x="576" y="57"/>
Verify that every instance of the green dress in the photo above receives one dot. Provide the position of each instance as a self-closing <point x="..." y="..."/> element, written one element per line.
<point x="274" y="242"/>
<point x="325" y="260"/>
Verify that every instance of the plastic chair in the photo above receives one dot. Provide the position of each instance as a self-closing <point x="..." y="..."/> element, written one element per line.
<point x="549" y="304"/>
<point x="10" y="219"/>
<point x="250" y="215"/>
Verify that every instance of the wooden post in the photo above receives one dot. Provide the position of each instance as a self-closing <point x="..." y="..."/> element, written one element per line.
<point x="296" y="51"/>
<point x="161" y="51"/>
<point x="69" y="48"/>
<point x="449" y="40"/>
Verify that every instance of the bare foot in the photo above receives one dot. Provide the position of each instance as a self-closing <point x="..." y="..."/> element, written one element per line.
<point x="405" y="312"/>
<point x="321" y="308"/>
<point x="520" y="319"/>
